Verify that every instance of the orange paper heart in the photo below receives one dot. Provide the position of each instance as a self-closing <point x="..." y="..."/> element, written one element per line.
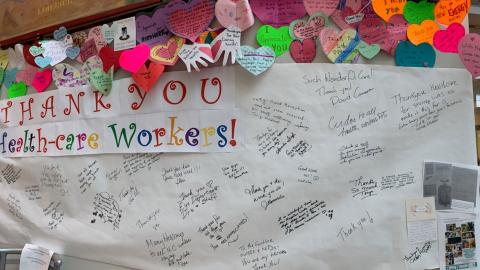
<point x="422" y="33"/>
<point x="451" y="11"/>
<point x="387" y="8"/>
<point x="146" y="77"/>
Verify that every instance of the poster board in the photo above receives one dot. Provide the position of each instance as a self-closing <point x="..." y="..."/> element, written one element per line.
<point x="314" y="135"/>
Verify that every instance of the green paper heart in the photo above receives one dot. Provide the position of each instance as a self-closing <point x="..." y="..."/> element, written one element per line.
<point x="368" y="51"/>
<point x="416" y="13"/>
<point x="276" y="38"/>
<point x="102" y="81"/>
<point x="17" y="90"/>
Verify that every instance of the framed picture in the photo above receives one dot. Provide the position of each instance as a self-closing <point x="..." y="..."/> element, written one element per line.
<point x="23" y="20"/>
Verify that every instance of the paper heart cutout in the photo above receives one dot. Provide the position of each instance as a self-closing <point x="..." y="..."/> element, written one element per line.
<point x="409" y="55"/>
<point x="369" y="51"/>
<point x="386" y="9"/>
<point x="132" y="60"/>
<point x="88" y="49"/>
<point x="451" y="11"/>
<point x="340" y="47"/>
<point x="96" y="34"/>
<point x="256" y="61"/>
<point x="43" y="62"/>
<point x="152" y="30"/>
<point x="146" y="77"/>
<point x="110" y="58"/>
<point x="10" y="77"/>
<point x="416" y="13"/>
<point x="36" y="51"/>
<point x="65" y="75"/>
<point x="190" y="19"/>
<point x="27" y="56"/>
<point x="469" y="52"/>
<point x="237" y="13"/>
<point x="27" y="74"/>
<point x="447" y="40"/>
<point x="73" y="52"/>
<point x="422" y="33"/>
<point x="387" y="36"/>
<point x="60" y="33"/>
<point x="56" y="50"/>
<point x="101" y="80"/>
<point x="303" y="51"/>
<point x="279" y="12"/>
<point x="108" y="33"/>
<point x="300" y="29"/>
<point x="327" y="7"/>
<point x="17" y="90"/>
<point x="354" y="5"/>
<point x="42" y="80"/>
<point x="277" y="38"/>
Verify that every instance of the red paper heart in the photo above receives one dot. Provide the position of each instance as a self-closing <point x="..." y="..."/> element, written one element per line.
<point x="109" y="58"/>
<point x="190" y="19"/>
<point x="42" y="80"/>
<point x="215" y="49"/>
<point x="146" y="78"/>
<point x="387" y="36"/>
<point x="303" y="52"/>
<point x="29" y="58"/>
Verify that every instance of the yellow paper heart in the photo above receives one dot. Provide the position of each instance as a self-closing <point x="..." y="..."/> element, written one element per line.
<point x="422" y="33"/>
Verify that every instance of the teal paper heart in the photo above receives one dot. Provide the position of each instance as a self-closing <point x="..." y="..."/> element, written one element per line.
<point x="256" y="61"/>
<point x="60" y="33"/>
<point x="73" y="52"/>
<point x="10" y="77"/>
<point x="36" y="51"/>
<point x="368" y="51"/>
<point x="43" y="61"/>
<point x="409" y="55"/>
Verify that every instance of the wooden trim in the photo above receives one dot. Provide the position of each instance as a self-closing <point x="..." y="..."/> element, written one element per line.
<point x="82" y="23"/>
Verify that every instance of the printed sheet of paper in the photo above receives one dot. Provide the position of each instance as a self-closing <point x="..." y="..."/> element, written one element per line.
<point x="421" y="220"/>
<point x="331" y="154"/>
<point x="125" y="34"/>
<point x="35" y="258"/>
<point x="457" y="241"/>
<point x="454" y="186"/>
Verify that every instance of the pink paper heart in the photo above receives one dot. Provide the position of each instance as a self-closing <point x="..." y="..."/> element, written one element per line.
<point x="207" y="51"/>
<point x="133" y="59"/>
<point x="325" y="6"/>
<point x="234" y="13"/>
<point x="303" y="51"/>
<point x="27" y="74"/>
<point x="42" y="80"/>
<point x="339" y="18"/>
<point x="329" y="38"/>
<point x="447" y="40"/>
<point x="469" y="51"/>
<point x="216" y="48"/>
<point x="279" y="12"/>
<point x="190" y="19"/>
<point x="374" y="31"/>
<point x="310" y="29"/>
<point x="97" y="35"/>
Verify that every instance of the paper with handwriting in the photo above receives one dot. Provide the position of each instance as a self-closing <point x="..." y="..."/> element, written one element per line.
<point x="331" y="154"/>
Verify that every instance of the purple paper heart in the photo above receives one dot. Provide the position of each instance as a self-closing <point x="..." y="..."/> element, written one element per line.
<point x="152" y="30"/>
<point x="189" y="20"/>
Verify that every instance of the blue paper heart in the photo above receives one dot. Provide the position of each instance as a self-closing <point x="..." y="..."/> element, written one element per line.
<point x="43" y="61"/>
<point x="256" y="61"/>
<point x="60" y="33"/>
<point x="10" y="77"/>
<point x="409" y="55"/>
<point x="73" y="52"/>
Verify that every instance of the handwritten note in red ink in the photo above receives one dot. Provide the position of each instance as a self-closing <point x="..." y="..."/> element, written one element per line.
<point x="278" y="13"/>
<point x="190" y="19"/>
